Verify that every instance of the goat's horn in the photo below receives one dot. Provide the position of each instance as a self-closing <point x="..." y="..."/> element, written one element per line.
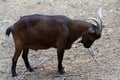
<point x="98" y="22"/>
<point x="100" y="15"/>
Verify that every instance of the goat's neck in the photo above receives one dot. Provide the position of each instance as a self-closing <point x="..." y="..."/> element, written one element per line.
<point x="77" y="27"/>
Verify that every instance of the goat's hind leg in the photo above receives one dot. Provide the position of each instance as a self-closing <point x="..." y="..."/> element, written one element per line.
<point x="14" y="60"/>
<point x="25" y="58"/>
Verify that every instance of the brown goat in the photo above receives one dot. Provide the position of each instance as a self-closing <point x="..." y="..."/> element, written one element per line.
<point x="43" y="32"/>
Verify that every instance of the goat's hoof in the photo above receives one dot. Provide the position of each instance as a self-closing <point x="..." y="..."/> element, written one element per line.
<point x="14" y="75"/>
<point x="31" y="69"/>
<point x="62" y="71"/>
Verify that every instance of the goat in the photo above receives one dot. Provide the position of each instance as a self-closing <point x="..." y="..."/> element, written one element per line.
<point x="46" y="31"/>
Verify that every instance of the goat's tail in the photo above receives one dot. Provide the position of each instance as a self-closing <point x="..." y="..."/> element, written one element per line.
<point x="8" y="31"/>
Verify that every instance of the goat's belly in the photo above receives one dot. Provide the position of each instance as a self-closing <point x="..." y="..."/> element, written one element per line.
<point x="37" y="47"/>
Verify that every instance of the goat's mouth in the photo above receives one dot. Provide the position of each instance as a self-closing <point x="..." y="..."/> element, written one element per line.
<point x="87" y="46"/>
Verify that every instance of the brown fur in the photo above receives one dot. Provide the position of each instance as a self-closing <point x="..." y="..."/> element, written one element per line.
<point x="43" y="32"/>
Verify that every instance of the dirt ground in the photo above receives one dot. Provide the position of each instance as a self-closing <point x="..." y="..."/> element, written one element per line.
<point x="78" y="64"/>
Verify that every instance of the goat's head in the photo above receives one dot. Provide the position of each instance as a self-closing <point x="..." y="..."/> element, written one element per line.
<point x="94" y="32"/>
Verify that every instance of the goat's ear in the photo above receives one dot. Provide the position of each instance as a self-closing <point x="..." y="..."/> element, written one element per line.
<point x="91" y="31"/>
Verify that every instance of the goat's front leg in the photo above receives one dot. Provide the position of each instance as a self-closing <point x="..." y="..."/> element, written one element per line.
<point x="60" y="55"/>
